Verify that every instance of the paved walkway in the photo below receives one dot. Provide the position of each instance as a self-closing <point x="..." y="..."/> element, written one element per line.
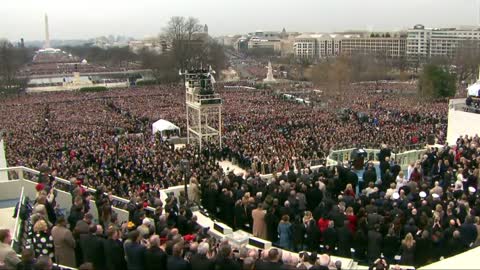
<point x="6" y="212"/>
<point x="228" y="166"/>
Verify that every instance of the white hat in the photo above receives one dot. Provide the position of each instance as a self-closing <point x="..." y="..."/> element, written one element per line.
<point x="423" y="194"/>
<point x="435" y="196"/>
<point x="472" y="189"/>
<point x="396" y="196"/>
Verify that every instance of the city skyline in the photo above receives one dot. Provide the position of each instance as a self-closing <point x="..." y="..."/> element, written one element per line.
<point x="24" y="18"/>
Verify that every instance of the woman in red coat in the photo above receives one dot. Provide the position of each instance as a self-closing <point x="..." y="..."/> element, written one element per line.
<point x="352" y="219"/>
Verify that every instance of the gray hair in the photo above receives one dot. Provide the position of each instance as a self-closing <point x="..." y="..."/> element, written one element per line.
<point x="203" y="248"/>
<point x="155" y="241"/>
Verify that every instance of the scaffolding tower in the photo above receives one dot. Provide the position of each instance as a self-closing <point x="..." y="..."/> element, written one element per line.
<point x="204" y="107"/>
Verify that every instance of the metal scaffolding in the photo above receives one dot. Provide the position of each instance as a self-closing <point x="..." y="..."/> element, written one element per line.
<point x="204" y="107"/>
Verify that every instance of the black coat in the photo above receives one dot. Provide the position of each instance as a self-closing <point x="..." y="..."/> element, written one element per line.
<point x="408" y="255"/>
<point x="374" y="239"/>
<point x="93" y="250"/>
<point x="225" y="264"/>
<point x="330" y="238"/>
<point x="312" y="235"/>
<point x="201" y="262"/>
<point x="345" y="241"/>
<point x="155" y="259"/>
<point x="114" y="255"/>
<point x="135" y="256"/>
<point x="240" y="217"/>
<point x="177" y="263"/>
<point x="267" y="265"/>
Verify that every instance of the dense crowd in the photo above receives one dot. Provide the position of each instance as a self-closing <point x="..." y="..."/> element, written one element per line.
<point x="430" y="211"/>
<point x="84" y="134"/>
<point x="103" y="140"/>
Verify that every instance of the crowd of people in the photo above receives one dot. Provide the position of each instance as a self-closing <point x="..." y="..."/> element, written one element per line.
<point x="261" y="130"/>
<point x="103" y="140"/>
<point x="428" y="212"/>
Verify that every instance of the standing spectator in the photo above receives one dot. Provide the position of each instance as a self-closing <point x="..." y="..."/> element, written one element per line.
<point x="259" y="225"/>
<point x="200" y="261"/>
<point x="42" y="241"/>
<point x="408" y="250"/>
<point x="64" y="243"/>
<point x="176" y="261"/>
<point x="374" y="243"/>
<point x="285" y="233"/>
<point x="155" y="257"/>
<point x="135" y="252"/>
<point x="28" y="260"/>
<point x="113" y="250"/>
<point x="7" y="254"/>
<point x="224" y="260"/>
<point x="92" y="247"/>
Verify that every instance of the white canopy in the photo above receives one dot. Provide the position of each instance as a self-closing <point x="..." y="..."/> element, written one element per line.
<point x="474" y="89"/>
<point x="164" y="125"/>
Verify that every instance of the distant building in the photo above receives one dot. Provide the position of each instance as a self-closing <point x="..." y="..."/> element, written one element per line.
<point x="392" y="47"/>
<point x="154" y="45"/>
<point x="280" y="43"/>
<point x="319" y="45"/>
<point x="424" y="43"/>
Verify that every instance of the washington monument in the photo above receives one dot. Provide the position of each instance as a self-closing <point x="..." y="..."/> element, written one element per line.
<point x="47" y="35"/>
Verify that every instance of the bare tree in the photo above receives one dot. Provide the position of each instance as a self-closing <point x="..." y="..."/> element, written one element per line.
<point x="10" y="63"/>
<point x="467" y="59"/>
<point x="183" y="42"/>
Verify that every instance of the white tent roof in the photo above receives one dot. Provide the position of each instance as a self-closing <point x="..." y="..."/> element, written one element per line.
<point x="162" y="125"/>
<point x="473" y="89"/>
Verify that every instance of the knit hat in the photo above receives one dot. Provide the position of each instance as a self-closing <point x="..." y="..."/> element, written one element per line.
<point x="39" y="187"/>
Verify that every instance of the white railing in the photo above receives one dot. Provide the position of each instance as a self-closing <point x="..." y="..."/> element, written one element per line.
<point x="403" y="159"/>
<point x="25" y="173"/>
<point x="16" y="229"/>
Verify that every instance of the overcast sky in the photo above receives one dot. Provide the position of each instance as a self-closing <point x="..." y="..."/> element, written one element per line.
<point x="140" y="18"/>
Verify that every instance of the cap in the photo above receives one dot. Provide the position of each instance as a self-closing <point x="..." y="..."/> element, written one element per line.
<point x="471" y="189"/>
<point x="39" y="187"/>
<point x="396" y="196"/>
<point x="423" y="194"/>
<point x="435" y="196"/>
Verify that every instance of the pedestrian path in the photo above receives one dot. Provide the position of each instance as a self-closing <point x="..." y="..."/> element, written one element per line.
<point x="228" y="166"/>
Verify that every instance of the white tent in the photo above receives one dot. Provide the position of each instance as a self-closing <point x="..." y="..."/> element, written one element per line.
<point x="473" y="90"/>
<point x="164" y="125"/>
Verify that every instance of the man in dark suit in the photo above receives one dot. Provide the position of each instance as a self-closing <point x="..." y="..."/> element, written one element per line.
<point x="345" y="240"/>
<point x="224" y="259"/>
<point x="374" y="243"/>
<point x="176" y="261"/>
<point x="155" y="257"/>
<point x="92" y="247"/>
<point x="200" y="261"/>
<point x="113" y="250"/>
<point x="272" y="262"/>
<point x="135" y="252"/>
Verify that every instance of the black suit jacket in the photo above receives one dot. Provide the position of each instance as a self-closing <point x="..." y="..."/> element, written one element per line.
<point x="135" y="256"/>
<point x="177" y="263"/>
<point x="155" y="259"/>
<point x="92" y="250"/>
<point x="201" y="262"/>
<point x="114" y="255"/>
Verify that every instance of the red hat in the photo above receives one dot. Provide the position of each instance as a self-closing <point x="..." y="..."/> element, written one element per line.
<point x="189" y="237"/>
<point x="145" y="204"/>
<point x="39" y="187"/>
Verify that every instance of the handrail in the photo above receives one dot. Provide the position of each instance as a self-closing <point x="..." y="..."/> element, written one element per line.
<point x="15" y="229"/>
<point x="68" y="183"/>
